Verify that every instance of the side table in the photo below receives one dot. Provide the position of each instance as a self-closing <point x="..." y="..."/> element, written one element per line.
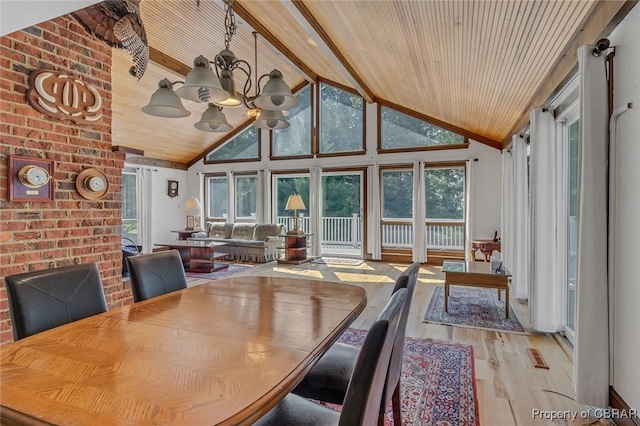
<point x="183" y="234"/>
<point x="295" y="248"/>
<point x="485" y="246"/>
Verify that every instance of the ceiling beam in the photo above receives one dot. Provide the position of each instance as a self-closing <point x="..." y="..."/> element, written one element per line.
<point x="599" y="23"/>
<point x="168" y="62"/>
<point x="274" y="44"/>
<point x="308" y="22"/>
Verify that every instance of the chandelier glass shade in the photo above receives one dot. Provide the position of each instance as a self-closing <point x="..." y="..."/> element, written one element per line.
<point x="213" y="120"/>
<point x="213" y="82"/>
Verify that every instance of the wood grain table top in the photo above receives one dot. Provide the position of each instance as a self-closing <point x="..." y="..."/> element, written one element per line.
<point x="219" y="353"/>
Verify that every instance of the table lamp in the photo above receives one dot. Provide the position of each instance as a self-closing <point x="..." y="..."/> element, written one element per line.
<point x="295" y="203"/>
<point x="193" y="220"/>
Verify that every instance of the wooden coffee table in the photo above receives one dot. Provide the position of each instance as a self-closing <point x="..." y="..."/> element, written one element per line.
<point x="475" y="274"/>
<point x="198" y="256"/>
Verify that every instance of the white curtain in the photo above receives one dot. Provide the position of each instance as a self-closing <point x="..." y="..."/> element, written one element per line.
<point x="144" y="195"/>
<point x="508" y="208"/>
<point x="314" y="208"/>
<point x="419" y="230"/>
<point x="591" y="353"/>
<point x="470" y="208"/>
<point x="263" y="197"/>
<point x="520" y="220"/>
<point x="545" y="289"/>
<point x="374" y="243"/>
<point x="231" y="198"/>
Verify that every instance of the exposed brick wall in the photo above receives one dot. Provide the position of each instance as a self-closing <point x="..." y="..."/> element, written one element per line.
<point x="72" y="229"/>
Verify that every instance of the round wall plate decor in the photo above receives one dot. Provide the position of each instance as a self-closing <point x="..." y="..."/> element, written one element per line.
<point x="92" y="184"/>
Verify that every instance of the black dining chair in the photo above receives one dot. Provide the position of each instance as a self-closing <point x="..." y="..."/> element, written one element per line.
<point x="45" y="299"/>
<point x="156" y="274"/>
<point x="366" y="384"/>
<point x="328" y="379"/>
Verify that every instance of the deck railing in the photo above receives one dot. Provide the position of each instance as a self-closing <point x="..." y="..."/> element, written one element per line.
<point x="395" y="233"/>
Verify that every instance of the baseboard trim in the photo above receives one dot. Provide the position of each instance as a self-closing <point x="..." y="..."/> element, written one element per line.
<point x="617" y="402"/>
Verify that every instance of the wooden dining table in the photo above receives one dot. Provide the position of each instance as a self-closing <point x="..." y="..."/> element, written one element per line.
<point x="220" y="353"/>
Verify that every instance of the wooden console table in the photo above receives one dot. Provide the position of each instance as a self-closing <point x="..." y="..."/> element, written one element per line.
<point x="295" y="248"/>
<point x="198" y="256"/>
<point x="485" y="246"/>
<point x="475" y="275"/>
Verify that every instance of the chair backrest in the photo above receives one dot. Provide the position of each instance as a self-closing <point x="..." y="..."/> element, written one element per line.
<point x="156" y="274"/>
<point x="406" y="280"/>
<point x="362" y="400"/>
<point x="46" y="299"/>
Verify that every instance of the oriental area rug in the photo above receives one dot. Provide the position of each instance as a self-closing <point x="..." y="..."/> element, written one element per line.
<point x="437" y="383"/>
<point x="473" y="308"/>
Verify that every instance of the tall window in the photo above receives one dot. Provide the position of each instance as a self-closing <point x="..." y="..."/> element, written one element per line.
<point x="217" y="197"/>
<point x="296" y="139"/>
<point x="573" y="146"/>
<point x="284" y="186"/>
<point x="130" y="206"/>
<point x="244" y="146"/>
<point x="246" y="191"/>
<point x="397" y="208"/>
<point x="341" y="121"/>
<point x="400" y="130"/>
<point x="445" y="207"/>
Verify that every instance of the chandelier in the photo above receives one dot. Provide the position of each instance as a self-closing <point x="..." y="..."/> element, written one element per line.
<point x="268" y="104"/>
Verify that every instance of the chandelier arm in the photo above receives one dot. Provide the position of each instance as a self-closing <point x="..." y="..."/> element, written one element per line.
<point x="215" y="65"/>
<point x="246" y="99"/>
<point x="168" y="83"/>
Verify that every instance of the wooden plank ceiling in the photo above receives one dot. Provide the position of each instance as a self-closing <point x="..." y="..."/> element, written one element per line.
<point x="470" y="63"/>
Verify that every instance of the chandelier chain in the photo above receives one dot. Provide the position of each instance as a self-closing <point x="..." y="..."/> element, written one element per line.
<point x="229" y="23"/>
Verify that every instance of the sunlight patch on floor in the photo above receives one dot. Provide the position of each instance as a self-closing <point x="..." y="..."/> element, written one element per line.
<point x="354" y="277"/>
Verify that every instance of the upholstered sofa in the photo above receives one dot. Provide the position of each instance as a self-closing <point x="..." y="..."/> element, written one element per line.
<point x="246" y="242"/>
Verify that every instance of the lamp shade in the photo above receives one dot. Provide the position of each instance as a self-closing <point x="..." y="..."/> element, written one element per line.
<point x="276" y="95"/>
<point x="213" y="120"/>
<point x="271" y="120"/>
<point x="201" y="84"/>
<point x="295" y="203"/>
<point x="192" y="204"/>
<point x="165" y="103"/>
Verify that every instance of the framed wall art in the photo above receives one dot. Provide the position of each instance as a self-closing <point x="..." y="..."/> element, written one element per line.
<point x="30" y="179"/>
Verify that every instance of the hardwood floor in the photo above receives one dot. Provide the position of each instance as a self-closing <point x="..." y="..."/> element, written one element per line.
<point x="509" y="388"/>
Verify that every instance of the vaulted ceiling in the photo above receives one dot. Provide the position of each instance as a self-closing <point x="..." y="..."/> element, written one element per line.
<point x="474" y="64"/>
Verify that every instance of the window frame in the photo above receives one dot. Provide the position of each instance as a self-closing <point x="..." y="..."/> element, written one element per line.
<point x="136" y="221"/>
<point x="318" y="127"/>
<point x="420" y="117"/>
<point x="228" y="138"/>
<point x="207" y="197"/>
<point x="313" y="94"/>
<point x="444" y="222"/>
<point x="243" y="175"/>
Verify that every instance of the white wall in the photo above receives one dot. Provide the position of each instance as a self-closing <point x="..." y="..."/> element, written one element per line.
<point x="487" y="171"/>
<point x="626" y="356"/>
<point x="168" y="213"/>
<point x="18" y="14"/>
